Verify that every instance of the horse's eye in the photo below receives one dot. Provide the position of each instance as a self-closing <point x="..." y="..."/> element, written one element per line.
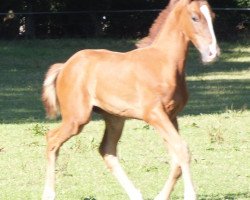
<point x="195" y="18"/>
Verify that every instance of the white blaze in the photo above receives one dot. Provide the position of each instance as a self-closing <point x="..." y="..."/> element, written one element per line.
<point x="213" y="46"/>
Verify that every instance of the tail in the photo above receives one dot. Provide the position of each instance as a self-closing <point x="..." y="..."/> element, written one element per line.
<point x="49" y="96"/>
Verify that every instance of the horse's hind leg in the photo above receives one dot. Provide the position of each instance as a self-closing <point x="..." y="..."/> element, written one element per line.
<point x="55" y="139"/>
<point x="71" y="125"/>
<point x="108" y="149"/>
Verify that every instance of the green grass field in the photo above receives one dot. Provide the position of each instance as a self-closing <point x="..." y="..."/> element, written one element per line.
<point x="215" y="123"/>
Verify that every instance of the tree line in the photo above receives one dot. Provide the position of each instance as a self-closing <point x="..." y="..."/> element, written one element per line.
<point x="66" y="18"/>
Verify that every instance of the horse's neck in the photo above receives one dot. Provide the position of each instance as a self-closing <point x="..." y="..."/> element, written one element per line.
<point x="172" y="42"/>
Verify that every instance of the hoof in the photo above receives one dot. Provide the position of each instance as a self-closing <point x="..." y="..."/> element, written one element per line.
<point x="160" y="196"/>
<point x="190" y="195"/>
<point x="136" y="196"/>
<point x="48" y="195"/>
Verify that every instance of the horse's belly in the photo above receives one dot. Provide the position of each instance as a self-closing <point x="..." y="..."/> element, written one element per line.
<point x="117" y="106"/>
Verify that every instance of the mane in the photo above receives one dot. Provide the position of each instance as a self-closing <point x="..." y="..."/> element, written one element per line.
<point x="156" y="26"/>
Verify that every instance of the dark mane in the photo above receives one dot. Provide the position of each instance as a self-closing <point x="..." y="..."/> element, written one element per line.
<point x="156" y="26"/>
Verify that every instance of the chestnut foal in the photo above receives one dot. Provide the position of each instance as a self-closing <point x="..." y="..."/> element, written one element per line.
<point x="147" y="84"/>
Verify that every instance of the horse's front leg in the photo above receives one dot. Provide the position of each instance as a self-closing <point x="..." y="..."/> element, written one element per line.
<point x="175" y="173"/>
<point x="179" y="152"/>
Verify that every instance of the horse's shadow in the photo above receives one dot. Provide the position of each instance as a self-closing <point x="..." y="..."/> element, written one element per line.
<point x="88" y="198"/>
<point x="230" y="196"/>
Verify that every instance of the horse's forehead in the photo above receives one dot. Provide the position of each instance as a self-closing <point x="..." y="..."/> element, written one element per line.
<point x="205" y="10"/>
<point x="196" y="5"/>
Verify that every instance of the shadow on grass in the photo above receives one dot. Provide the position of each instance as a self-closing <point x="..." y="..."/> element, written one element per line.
<point x="216" y="96"/>
<point x="230" y="196"/>
<point x="88" y="198"/>
<point x="196" y="67"/>
<point x="20" y="100"/>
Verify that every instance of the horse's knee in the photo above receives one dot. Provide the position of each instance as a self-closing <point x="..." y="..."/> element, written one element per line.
<point x="182" y="153"/>
<point x="177" y="173"/>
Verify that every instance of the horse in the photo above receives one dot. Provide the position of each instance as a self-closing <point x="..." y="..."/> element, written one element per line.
<point x="147" y="83"/>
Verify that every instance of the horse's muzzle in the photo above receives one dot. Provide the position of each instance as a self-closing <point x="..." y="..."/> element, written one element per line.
<point x="210" y="54"/>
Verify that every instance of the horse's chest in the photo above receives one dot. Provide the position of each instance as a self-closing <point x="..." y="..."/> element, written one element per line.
<point x="174" y="101"/>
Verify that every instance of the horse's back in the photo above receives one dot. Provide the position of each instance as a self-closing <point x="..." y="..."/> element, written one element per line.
<point x="119" y="83"/>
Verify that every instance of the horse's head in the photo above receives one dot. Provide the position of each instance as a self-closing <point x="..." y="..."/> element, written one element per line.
<point x="197" y="25"/>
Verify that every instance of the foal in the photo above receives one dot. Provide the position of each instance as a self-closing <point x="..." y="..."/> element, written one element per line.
<point x="147" y="84"/>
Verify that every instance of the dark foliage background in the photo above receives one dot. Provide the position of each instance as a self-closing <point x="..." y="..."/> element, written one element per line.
<point x="94" y="18"/>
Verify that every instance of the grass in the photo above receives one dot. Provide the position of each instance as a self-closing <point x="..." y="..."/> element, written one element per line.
<point x="215" y="123"/>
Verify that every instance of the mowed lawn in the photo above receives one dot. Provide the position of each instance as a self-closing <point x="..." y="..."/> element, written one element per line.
<point x="215" y="123"/>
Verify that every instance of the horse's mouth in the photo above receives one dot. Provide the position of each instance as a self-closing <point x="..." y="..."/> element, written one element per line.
<point x="210" y="55"/>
